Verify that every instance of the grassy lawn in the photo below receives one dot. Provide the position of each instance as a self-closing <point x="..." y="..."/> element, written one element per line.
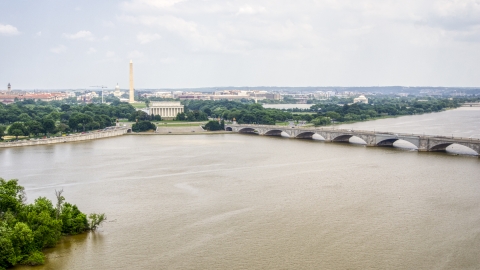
<point x="139" y="105"/>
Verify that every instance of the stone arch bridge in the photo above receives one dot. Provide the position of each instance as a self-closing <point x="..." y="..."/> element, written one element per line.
<point x="371" y="138"/>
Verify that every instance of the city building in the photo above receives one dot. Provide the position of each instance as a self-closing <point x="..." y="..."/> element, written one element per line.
<point x="117" y="93"/>
<point x="361" y="99"/>
<point x="167" y="110"/>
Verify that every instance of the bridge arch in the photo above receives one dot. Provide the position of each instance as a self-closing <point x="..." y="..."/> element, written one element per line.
<point x="342" y="138"/>
<point x="349" y="138"/>
<point x="129" y="130"/>
<point x="273" y="132"/>
<point x="450" y="147"/>
<point x="228" y="129"/>
<point x="387" y="142"/>
<point x="305" y="135"/>
<point x="396" y="142"/>
<point x="248" y="130"/>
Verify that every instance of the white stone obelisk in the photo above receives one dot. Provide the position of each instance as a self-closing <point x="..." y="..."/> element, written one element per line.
<point x="131" y="94"/>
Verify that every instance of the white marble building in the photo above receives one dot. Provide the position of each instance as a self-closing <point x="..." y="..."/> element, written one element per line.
<point x="166" y="110"/>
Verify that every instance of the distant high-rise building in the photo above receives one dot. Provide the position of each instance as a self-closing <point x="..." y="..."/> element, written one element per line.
<point x="131" y="93"/>
<point x="9" y="87"/>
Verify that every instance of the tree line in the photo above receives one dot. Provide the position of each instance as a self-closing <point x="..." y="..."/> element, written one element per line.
<point x="322" y="113"/>
<point x="34" y="118"/>
<point x="27" y="229"/>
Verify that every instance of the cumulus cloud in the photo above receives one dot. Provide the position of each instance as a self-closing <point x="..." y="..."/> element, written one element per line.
<point x="145" y="38"/>
<point x="135" y="54"/>
<point x="87" y="35"/>
<point x="8" y="30"/>
<point x="249" y="10"/>
<point x="59" y="49"/>
<point x="324" y="35"/>
<point x="148" y="4"/>
<point x="91" y="50"/>
<point x="110" y="54"/>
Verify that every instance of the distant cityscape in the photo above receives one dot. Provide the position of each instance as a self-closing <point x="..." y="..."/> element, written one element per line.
<point x="298" y="95"/>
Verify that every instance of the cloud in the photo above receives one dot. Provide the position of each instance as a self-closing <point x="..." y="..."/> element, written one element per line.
<point x="145" y="38"/>
<point x="135" y="54"/>
<point x="249" y="10"/>
<point x="167" y="60"/>
<point x="110" y="54"/>
<point x="87" y="35"/>
<point x="91" y="50"/>
<point x="39" y="33"/>
<point x="59" y="49"/>
<point x="108" y="24"/>
<point x="8" y="30"/>
<point x="148" y="4"/>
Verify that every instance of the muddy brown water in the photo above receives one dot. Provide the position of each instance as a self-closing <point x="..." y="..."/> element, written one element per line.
<point x="233" y="201"/>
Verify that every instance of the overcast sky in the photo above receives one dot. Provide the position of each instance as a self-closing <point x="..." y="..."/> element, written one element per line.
<point x="56" y="44"/>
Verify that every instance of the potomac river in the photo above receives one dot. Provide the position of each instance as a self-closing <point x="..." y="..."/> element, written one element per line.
<point x="233" y="201"/>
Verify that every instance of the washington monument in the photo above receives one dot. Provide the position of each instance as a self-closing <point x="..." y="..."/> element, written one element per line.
<point x="131" y="94"/>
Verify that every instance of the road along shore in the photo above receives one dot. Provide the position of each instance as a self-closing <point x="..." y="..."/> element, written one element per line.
<point x="64" y="139"/>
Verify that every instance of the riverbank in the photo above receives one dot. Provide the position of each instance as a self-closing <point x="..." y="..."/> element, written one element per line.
<point x="64" y="139"/>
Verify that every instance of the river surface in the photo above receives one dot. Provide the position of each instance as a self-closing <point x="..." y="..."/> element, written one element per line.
<point x="234" y="201"/>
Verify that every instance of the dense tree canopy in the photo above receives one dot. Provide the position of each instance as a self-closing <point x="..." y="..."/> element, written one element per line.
<point x="215" y="125"/>
<point x="33" y="118"/>
<point x="143" y="126"/>
<point x="26" y="229"/>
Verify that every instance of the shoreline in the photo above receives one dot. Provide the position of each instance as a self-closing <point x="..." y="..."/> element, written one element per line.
<point x="182" y="133"/>
<point x="65" y="139"/>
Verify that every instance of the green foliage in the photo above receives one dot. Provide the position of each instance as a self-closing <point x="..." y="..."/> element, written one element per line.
<point x="51" y="117"/>
<point x="214" y="125"/>
<point x="35" y="258"/>
<point x="2" y="131"/>
<point x="12" y="196"/>
<point x="139" y="116"/>
<point x="48" y="125"/>
<point x="73" y="221"/>
<point x="321" y="121"/>
<point x="27" y="229"/>
<point x="181" y="117"/>
<point x="143" y="126"/>
<point x="18" y="129"/>
<point x="96" y="220"/>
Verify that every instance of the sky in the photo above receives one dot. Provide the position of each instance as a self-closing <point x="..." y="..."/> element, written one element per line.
<point x="66" y="44"/>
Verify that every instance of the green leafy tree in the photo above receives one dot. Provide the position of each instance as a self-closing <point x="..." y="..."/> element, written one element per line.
<point x="181" y="117"/>
<point x="213" y="125"/>
<point x="12" y="196"/>
<point x="48" y="126"/>
<point x="18" y="129"/>
<point x="34" y="127"/>
<point x="143" y="126"/>
<point x="96" y="220"/>
<point x="2" y="132"/>
<point x="24" y="117"/>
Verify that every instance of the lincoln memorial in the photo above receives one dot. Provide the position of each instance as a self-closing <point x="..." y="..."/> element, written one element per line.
<point x="166" y="109"/>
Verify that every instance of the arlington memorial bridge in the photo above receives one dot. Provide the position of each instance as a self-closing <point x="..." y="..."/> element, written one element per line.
<point x="371" y="138"/>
